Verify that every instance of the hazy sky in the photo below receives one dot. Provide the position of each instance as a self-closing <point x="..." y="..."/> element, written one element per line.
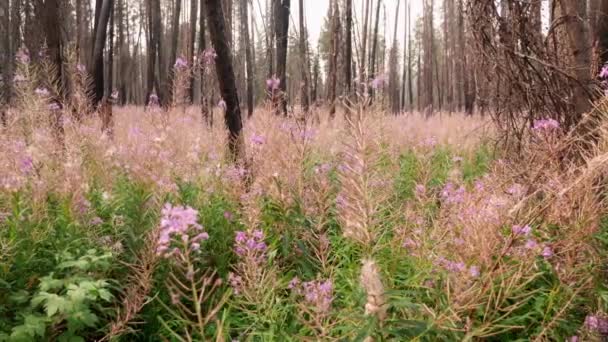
<point x="316" y="10"/>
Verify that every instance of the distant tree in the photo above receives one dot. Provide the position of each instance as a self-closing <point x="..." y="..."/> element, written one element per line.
<point x="304" y="60"/>
<point x="348" y="50"/>
<point x="102" y="17"/>
<point x="191" y="52"/>
<point x="281" y="33"/>
<point x="248" y="55"/>
<point x="333" y="61"/>
<point x="225" y="76"/>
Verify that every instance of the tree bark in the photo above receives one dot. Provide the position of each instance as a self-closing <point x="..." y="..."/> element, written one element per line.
<point x="225" y="76"/>
<point x="372" y="69"/>
<point x="99" y="45"/>
<point x="282" y="30"/>
<point x="304" y="60"/>
<point x="348" y="52"/>
<point x="333" y="62"/>
<point x="248" y="55"/>
<point x="191" y="53"/>
<point x="207" y="116"/>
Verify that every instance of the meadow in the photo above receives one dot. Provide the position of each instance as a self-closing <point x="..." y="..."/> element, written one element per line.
<point x="380" y="228"/>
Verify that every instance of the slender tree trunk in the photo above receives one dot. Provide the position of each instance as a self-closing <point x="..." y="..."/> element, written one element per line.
<point x="304" y="60"/>
<point x="102" y="19"/>
<point x="348" y="53"/>
<point x="248" y="55"/>
<point x="410" y="84"/>
<point x="225" y="76"/>
<point x="602" y="32"/>
<point x="404" y="72"/>
<point x="173" y="51"/>
<point x="50" y="20"/>
<point x="333" y="63"/>
<point x="372" y="72"/>
<point x="362" y="76"/>
<point x="207" y="115"/>
<point x="282" y="30"/>
<point x="394" y="78"/>
<point x="191" y="53"/>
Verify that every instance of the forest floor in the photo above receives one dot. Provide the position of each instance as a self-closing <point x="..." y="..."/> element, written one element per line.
<point x="385" y="228"/>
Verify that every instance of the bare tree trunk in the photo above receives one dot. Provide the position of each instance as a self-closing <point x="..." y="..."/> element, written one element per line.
<point x="428" y="57"/>
<point x="333" y="62"/>
<point x="191" y="53"/>
<point x="372" y="72"/>
<point x="362" y="76"/>
<point x="102" y="19"/>
<point x="173" y="51"/>
<point x="348" y="54"/>
<point x="207" y="116"/>
<point x="601" y="33"/>
<point x="410" y="84"/>
<point x="577" y="35"/>
<point x="50" y="19"/>
<point x="304" y="60"/>
<point x="123" y="47"/>
<point x="460" y="58"/>
<point x="154" y="50"/>
<point x="394" y="78"/>
<point x="225" y="76"/>
<point x="248" y="55"/>
<point x="404" y="72"/>
<point x="282" y="30"/>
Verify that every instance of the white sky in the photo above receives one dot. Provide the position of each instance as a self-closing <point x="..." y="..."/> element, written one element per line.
<point x="316" y="10"/>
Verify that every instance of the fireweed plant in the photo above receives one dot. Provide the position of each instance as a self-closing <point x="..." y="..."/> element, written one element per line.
<point x="373" y="228"/>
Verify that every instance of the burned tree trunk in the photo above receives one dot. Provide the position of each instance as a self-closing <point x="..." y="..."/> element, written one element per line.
<point x="225" y="76"/>
<point x="282" y="30"/>
<point x="333" y="61"/>
<point x="207" y="116"/>
<point x="101" y="18"/>
<point x="191" y="53"/>
<point x="248" y="55"/>
<point x="303" y="60"/>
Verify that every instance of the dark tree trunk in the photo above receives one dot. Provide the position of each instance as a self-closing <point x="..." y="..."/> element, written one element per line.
<point x="154" y="50"/>
<point x="191" y="53"/>
<point x="348" y="54"/>
<point x="225" y="76"/>
<point x="248" y="55"/>
<point x="50" y="19"/>
<point x="333" y="62"/>
<point x="372" y="72"/>
<point x="602" y="32"/>
<point x="102" y="19"/>
<point x="282" y="30"/>
<point x="173" y="52"/>
<point x="304" y="60"/>
<point x="207" y="117"/>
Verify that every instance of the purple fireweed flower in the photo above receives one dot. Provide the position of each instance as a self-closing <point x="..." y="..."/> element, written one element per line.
<point x="81" y="68"/>
<point x="596" y="324"/>
<point x="573" y="339"/>
<point x="318" y="294"/>
<point x="23" y="56"/>
<point x="228" y="215"/>
<point x="153" y="100"/>
<point x="604" y="71"/>
<point x="474" y="271"/>
<point x="42" y="92"/>
<point x="250" y="245"/>
<point x="294" y="283"/>
<point x="258" y="139"/>
<point x="54" y="106"/>
<point x="209" y="56"/>
<point x="379" y="81"/>
<point x="114" y="95"/>
<point x="531" y="244"/>
<point x="409" y="244"/>
<point x="19" y="78"/>
<point x="547" y="252"/>
<point x="544" y="125"/>
<point x="222" y="104"/>
<point x="180" y="63"/>
<point x="179" y="222"/>
<point x="420" y="190"/>
<point x="236" y="282"/>
<point x="273" y="83"/>
<point x="521" y="230"/>
<point x="96" y="221"/>
<point x="26" y="165"/>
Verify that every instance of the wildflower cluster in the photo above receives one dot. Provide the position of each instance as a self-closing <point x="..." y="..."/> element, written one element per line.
<point x="179" y="223"/>
<point x="545" y="125"/>
<point x="250" y="245"/>
<point x="317" y="294"/>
